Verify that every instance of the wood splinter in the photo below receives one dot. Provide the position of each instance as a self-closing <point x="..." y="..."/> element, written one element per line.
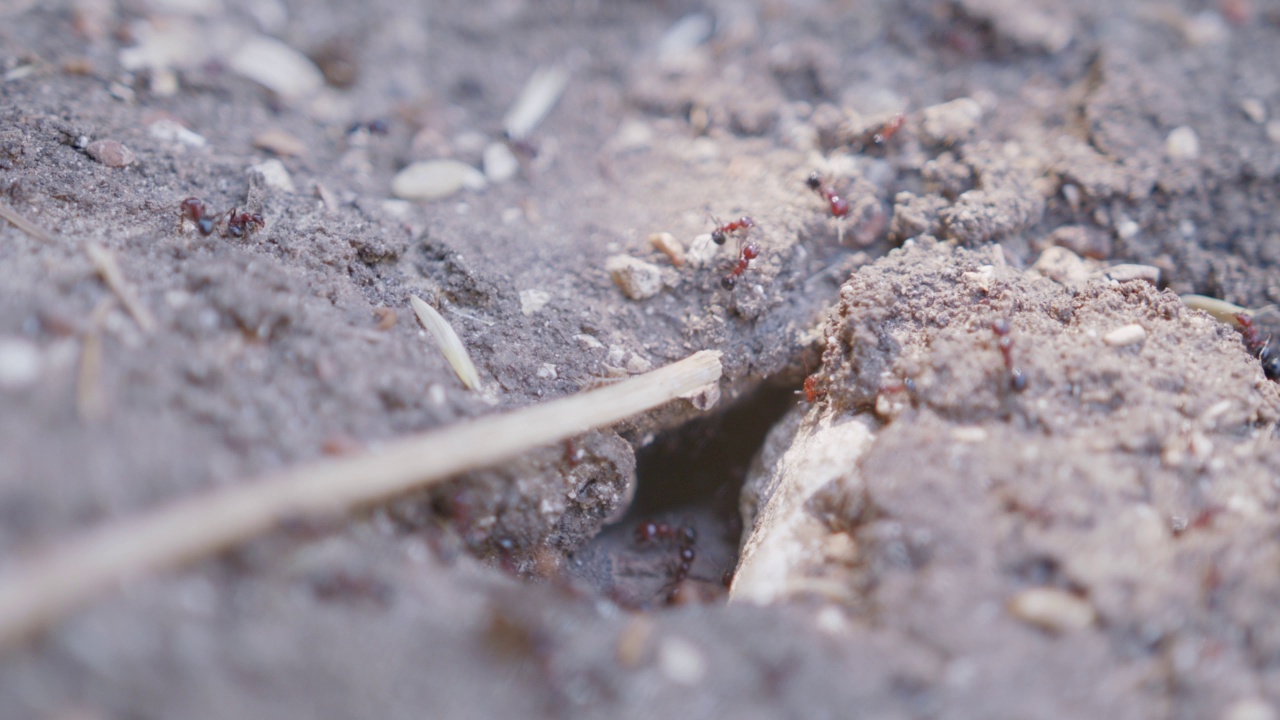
<point x="38" y="589"/>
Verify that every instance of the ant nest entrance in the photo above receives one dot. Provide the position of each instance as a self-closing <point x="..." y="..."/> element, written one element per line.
<point x="678" y="543"/>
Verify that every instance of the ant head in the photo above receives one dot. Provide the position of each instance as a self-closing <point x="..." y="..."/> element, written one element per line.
<point x="750" y="251"/>
<point x="746" y="221"/>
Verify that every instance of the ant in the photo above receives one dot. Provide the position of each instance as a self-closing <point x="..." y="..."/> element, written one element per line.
<point x="722" y="232"/>
<point x="1259" y="346"/>
<point x="237" y="223"/>
<point x="889" y="129"/>
<point x="194" y="209"/>
<point x="839" y="206"/>
<point x="685" y="536"/>
<point x="240" y="223"/>
<point x="813" y="389"/>
<point x="747" y="253"/>
<point x="1017" y="380"/>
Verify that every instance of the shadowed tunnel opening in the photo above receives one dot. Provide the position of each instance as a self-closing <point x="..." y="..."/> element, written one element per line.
<point x="679" y="541"/>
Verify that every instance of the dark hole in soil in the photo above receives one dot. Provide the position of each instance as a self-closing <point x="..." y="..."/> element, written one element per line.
<point x="688" y="478"/>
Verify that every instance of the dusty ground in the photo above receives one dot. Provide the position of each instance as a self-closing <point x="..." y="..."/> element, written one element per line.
<point x="1139" y="133"/>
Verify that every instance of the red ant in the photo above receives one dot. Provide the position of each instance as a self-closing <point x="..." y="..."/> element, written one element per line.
<point x="889" y="129"/>
<point x="685" y="536"/>
<point x="1017" y="380"/>
<point x="813" y="389"/>
<point x="1259" y="346"/>
<point x="194" y="209"/>
<point x="839" y="206"/>
<point x="746" y="254"/>
<point x="238" y="223"/>
<point x="722" y="232"/>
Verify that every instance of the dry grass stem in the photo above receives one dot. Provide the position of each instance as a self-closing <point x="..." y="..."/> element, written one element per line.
<point x="25" y="225"/>
<point x="39" y="589"/>
<point x="105" y="263"/>
<point x="454" y="351"/>
<point x="91" y="400"/>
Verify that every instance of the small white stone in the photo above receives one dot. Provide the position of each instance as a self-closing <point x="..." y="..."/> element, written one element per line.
<point x="1127" y="229"/>
<point x="19" y="363"/>
<point x="1125" y="272"/>
<point x="668" y="245"/>
<point x="531" y="301"/>
<point x="1051" y="609"/>
<point x="681" y="661"/>
<point x="275" y="175"/>
<point x="632" y="135"/>
<point x="638" y="279"/>
<point x="702" y="251"/>
<point x="172" y="131"/>
<point x="435" y="179"/>
<point x="277" y="67"/>
<point x="500" y="164"/>
<point x="1249" y="709"/>
<point x="1254" y="109"/>
<point x="969" y="434"/>
<point x="589" y="341"/>
<point x="1126" y="335"/>
<point x="547" y="371"/>
<point x="1182" y="144"/>
<point x="637" y="365"/>
<point x="1273" y="131"/>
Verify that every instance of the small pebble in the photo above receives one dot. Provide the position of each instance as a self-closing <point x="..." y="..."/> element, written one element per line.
<point x="547" y="371"/>
<point x="279" y="142"/>
<point x="1062" y="266"/>
<point x="531" y="301"/>
<point x="638" y="279"/>
<point x="540" y="94"/>
<point x="19" y="363"/>
<point x="702" y="251"/>
<point x="634" y="642"/>
<point x="111" y="153"/>
<point x="1082" y="241"/>
<point x="1182" y="144"/>
<point x="436" y="179"/>
<point x="1053" y="610"/>
<point x="681" y="661"/>
<point x="1125" y="272"/>
<point x="275" y="175"/>
<point x="637" y="365"/>
<point x="1249" y="709"/>
<point x="668" y="245"/>
<point x="1273" y="131"/>
<point x="1126" y="335"/>
<point x="1254" y="110"/>
<point x="500" y="164"/>
<point x="170" y="130"/>
<point x="277" y="67"/>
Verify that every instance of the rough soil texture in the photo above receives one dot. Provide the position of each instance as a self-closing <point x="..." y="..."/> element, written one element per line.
<point x="1140" y="477"/>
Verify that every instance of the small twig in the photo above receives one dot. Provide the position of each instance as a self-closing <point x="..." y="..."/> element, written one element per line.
<point x="91" y="403"/>
<point x="39" y="589"/>
<point x="25" y="225"/>
<point x="105" y="263"/>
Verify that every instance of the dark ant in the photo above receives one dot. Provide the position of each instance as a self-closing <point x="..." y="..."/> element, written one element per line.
<point x="889" y="129"/>
<point x="746" y="254"/>
<point x="194" y="209"/>
<point x="722" y="232"/>
<point x="240" y="224"/>
<point x="1017" y="380"/>
<point x="685" y="536"/>
<point x="237" y="223"/>
<point x="1259" y="346"/>
<point x="839" y="206"/>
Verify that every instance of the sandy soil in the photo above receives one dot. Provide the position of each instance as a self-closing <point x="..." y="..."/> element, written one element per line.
<point x="1140" y="477"/>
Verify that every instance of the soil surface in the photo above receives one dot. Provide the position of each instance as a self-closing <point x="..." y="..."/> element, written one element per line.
<point x="1067" y="169"/>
